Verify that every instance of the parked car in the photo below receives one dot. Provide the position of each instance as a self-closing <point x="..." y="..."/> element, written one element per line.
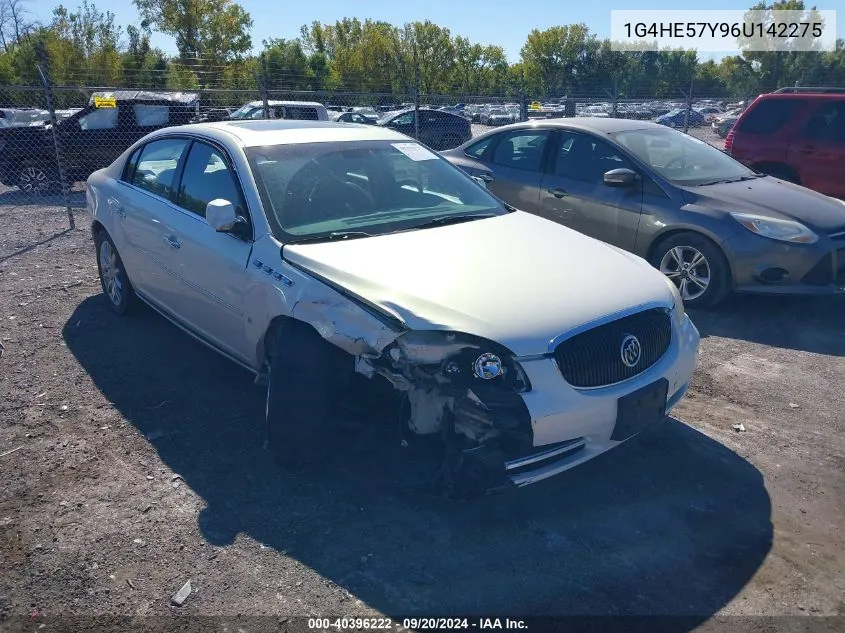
<point x="724" y="124"/>
<point x="709" y="112"/>
<point x="678" y="117"/>
<point x="353" y="117"/>
<point x="90" y="139"/>
<point x="368" y="113"/>
<point x="797" y="135"/>
<point x="496" y="116"/>
<point x="708" y="222"/>
<point x="439" y="130"/>
<point x="294" y="249"/>
<point x="297" y="110"/>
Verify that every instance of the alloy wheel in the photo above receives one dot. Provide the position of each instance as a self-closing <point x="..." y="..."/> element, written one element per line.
<point x="110" y="273"/>
<point x="33" y="180"/>
<point x="688" y="269"/>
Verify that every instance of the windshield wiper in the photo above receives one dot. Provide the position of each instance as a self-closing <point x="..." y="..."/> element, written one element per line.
<point x="728" y="180"/>
<point x="331" y="237"/>
<point x="453" y="219"/>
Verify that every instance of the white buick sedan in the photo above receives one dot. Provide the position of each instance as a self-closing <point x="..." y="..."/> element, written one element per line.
<point x="309" y="252"/>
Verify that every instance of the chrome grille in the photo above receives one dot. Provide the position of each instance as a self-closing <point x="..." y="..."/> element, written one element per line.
<point x="594" y="358"/>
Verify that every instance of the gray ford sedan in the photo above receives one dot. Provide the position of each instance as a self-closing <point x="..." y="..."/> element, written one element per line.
<point x="706" y="221"/>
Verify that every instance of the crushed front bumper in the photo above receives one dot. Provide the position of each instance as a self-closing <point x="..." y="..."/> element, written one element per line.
<point x="571" y="426"/>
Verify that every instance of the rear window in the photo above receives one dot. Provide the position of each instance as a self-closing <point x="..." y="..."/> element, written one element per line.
<point x="769" y="115"/>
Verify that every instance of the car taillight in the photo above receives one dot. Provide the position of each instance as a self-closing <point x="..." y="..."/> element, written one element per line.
<point x="729" y="142"/>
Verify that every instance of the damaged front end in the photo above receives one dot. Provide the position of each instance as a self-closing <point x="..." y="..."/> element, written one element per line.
<point x="467" y="390"/>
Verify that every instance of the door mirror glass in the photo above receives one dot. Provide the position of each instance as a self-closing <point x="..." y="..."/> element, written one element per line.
<point x="221" y="215"/>
<point x="480" y="181"/>
<point x="620" y="177"/>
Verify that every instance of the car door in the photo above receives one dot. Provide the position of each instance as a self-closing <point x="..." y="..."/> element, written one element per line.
<point x="574" y="193"/>
<point x="146" y="191"/>
<point x="404" y="124"/>
<point x="818" y="150"/>
<point x="207" y="268"/>
<point x="512" y="167"/>
<point x="88" y="142"/>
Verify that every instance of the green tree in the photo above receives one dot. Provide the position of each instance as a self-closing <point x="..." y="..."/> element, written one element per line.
<point x="208" y="33"/>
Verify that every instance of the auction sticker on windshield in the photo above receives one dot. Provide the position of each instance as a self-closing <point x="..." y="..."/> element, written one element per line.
<point x="415" y="151"/>
<point x="105" y="102"/>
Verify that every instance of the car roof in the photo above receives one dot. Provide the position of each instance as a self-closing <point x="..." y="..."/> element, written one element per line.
<point x="271" y="102"/>
<point x="598" y="125"/>
<point x="264" y="132"/>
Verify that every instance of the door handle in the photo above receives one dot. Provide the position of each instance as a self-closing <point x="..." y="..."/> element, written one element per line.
<point x="173" y="241"/>
<point x="558" y="192"/>
<point x="807" y="149"/>
<point x="116" y="207"/>
<point x="486" y="177"/>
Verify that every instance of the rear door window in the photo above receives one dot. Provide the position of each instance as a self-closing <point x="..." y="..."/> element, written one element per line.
<point x="156" y="169"/>
<point x="827" y="124"/>
<point x="770" y="115"/>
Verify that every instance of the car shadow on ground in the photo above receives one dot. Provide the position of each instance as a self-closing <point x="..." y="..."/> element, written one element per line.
<point x="669" y="523"/>
<point x="806" y="323"/>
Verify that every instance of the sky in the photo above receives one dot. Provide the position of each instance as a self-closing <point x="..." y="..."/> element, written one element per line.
<point x="502" y="22"/>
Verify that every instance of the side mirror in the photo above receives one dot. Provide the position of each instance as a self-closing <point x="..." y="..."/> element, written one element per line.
<point x="480" y="181"/>
<point x="221" y="215"/>
<point x="620" y="177"/>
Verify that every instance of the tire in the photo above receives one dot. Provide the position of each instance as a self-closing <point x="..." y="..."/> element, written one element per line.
<point x="299" y="392"/>
<point x="113" y="278"/>
<point x="781" y="172"/>
<point x="38" y="179"/>
<point x="703" y="260"/>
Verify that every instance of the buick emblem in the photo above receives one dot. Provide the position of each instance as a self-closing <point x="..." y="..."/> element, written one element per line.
<point x="630" y="351"/>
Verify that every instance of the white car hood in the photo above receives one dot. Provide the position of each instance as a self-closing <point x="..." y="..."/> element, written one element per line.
<point x="517" y="279"/>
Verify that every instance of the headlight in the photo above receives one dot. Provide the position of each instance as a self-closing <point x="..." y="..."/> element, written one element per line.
<point x="776" y="229"/>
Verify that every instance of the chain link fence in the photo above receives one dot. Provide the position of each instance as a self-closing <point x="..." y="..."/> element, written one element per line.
<point x="52" y="137"/>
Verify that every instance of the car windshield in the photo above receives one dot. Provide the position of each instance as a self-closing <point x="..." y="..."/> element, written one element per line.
<point x="680" y="158"/>
<point x="318" y="190"/>
<point x="245" y="111"/>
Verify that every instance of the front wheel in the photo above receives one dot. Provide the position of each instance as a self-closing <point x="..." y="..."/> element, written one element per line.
<point x="696" y="266"/>
<point x="298" y="396"/>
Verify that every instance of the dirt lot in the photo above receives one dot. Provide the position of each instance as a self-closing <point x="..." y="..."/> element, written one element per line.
<point x="138" y="464"/>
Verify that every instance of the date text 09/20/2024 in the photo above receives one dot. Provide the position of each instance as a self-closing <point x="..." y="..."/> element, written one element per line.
<point x="414" y="624"/>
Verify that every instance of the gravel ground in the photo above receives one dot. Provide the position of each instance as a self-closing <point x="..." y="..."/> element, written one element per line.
<point x="132" y="461"/>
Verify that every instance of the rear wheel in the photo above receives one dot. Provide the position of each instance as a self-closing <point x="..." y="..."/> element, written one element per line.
<point x="115" y="283"/>
<point x="696" y="266"/>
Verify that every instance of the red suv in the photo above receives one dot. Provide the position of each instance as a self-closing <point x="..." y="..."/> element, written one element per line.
<point x="795" y="134"/>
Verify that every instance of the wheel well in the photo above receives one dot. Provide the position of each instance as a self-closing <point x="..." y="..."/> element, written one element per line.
<point x="96" y="227"/>
<point x="664" y="236"/>
<point x="269" y="338"/>
<point x="765" y="166"/>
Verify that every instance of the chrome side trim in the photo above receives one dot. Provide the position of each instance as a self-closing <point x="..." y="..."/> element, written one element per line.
<point x="539" y="457"/>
